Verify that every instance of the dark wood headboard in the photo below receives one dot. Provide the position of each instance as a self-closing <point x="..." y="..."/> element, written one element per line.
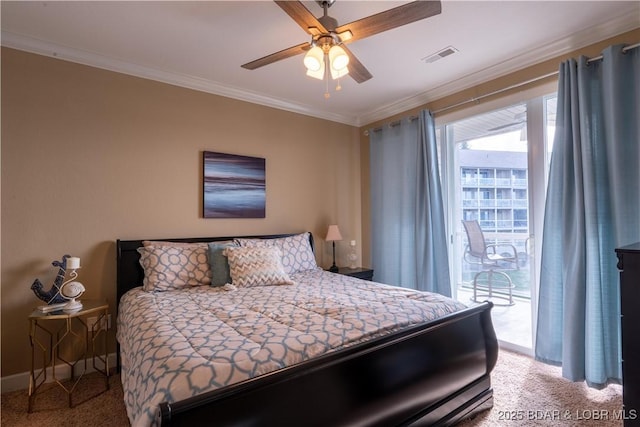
<point x="129" y="270"/>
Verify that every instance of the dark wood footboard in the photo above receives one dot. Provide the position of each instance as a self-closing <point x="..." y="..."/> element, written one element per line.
<point x="432" y="374"/>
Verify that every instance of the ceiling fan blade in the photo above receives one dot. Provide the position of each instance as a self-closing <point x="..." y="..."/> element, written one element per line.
<point x="302" y="16"/>
<point x="390" y="19"/>
<point x="283" y="54"/>
<point x="357" y="71"/>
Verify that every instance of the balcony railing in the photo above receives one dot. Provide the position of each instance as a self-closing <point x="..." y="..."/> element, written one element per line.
<point x="494" y="182"/>
<point x="503" y="224"/>
<point x="495" y="203"/>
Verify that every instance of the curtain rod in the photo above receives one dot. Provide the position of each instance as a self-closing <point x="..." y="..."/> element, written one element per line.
<point x="474" y="99"/>
<point x="496" y="92"/>
<point x="517" y="85"/>
<point x="390" y="124"/>
<point x="624" y="50"/>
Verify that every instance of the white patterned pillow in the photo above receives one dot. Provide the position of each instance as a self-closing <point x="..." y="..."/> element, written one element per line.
<point x="174" y="267"/>
<point x="256" y="266"/>
<point x="297" y="254"/>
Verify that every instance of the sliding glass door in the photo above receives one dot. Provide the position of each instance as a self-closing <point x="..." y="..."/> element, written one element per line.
<point x="495" y="166"/>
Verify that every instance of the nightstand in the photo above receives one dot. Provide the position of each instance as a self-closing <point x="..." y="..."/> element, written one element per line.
<point x="360" y="272"/>
<point x="59" y="338"/>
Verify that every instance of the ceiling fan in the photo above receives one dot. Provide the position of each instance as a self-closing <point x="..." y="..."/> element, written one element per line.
<point x="325" y="32"/>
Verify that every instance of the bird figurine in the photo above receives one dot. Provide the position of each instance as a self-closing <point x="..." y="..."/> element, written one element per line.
<point x="52" y="296"/>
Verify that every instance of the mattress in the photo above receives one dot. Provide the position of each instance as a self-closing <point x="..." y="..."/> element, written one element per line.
<point x="180" y="343"/>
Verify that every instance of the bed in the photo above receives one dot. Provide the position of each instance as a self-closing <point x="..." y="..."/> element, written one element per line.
<point x="421" y="359"/>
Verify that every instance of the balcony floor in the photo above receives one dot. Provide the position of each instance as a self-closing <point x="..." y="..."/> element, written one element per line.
<point x="511" y="323"/>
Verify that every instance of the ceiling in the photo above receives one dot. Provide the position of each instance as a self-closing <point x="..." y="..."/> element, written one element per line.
<point x="202" y="44"/>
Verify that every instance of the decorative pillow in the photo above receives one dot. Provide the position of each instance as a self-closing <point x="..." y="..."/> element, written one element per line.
<point x="256" y="266"/>
<point x="297" y="254"/>
<point x="174" y="267"/>
<point x="220" y="274"/>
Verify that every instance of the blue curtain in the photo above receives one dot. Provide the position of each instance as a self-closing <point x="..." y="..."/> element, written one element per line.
<point x="593" y="206"/>
<point x="408" y="235"/>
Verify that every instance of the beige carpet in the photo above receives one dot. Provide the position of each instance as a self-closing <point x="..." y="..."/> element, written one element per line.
<point x="523" y="389"/>
<point x="93" y="406"/>
<point x="535" y="394"/>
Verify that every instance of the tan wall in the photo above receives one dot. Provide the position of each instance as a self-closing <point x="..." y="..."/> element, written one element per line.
<point x="90" y="156"/>
<point x="475" y="92"/>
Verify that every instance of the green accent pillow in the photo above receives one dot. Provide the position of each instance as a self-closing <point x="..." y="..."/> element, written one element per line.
<point x="220" y="274"/>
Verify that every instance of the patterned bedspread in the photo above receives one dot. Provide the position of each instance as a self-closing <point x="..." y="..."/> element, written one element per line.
<point x="177" y="344"/>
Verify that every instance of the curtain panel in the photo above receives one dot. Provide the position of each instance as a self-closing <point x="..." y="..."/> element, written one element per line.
<point x="408" y="236"/>
<point x="592" y="207"/>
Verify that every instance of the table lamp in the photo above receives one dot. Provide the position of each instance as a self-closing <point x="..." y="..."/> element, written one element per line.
<point x="333" y="235"/>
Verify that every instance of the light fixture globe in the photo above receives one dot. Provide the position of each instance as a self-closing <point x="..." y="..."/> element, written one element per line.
<point x="326" y="57"/>
<point x="338" y="58"/>
<point x="316" y="74"/>
<point x="314" y="59"/>
<point x="336" y="74"/>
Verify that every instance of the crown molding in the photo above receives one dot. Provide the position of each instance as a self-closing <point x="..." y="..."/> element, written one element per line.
<point x="558" y="48"/>
<point x="41" y="47"/>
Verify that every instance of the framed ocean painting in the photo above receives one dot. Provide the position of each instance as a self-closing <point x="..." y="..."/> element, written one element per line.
<point x="234" y="186"/>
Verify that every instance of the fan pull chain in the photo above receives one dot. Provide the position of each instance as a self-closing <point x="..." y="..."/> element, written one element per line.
<point x="327" y="95"/>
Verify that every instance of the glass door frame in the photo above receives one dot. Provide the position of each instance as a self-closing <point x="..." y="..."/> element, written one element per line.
<point x="537" y="161"/>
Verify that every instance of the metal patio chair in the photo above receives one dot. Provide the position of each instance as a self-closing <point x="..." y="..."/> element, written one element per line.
<point x="497" y="283"/>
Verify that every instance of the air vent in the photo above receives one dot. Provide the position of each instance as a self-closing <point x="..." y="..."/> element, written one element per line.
<point x="449" y="50"/>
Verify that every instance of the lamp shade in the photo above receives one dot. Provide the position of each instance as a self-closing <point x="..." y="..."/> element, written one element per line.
<point x="336" y="74"/>
<point x="333" y="234"/>
<point x="314" y="59"/>
<point x="316" y="74"/>
<point x="338" y="58"/>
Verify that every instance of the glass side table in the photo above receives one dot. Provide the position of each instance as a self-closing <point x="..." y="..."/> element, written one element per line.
<point x="61" y="338"/>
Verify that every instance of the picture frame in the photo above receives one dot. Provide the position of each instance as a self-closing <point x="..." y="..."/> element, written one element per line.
<point x="234" y="186"/>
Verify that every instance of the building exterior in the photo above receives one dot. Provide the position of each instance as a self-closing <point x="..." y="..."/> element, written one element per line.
<point x="494" y="186"/>
<point x="495" y="190"/>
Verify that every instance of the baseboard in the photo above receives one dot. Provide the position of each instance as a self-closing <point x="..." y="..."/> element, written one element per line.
<point x="21" y="381"/>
